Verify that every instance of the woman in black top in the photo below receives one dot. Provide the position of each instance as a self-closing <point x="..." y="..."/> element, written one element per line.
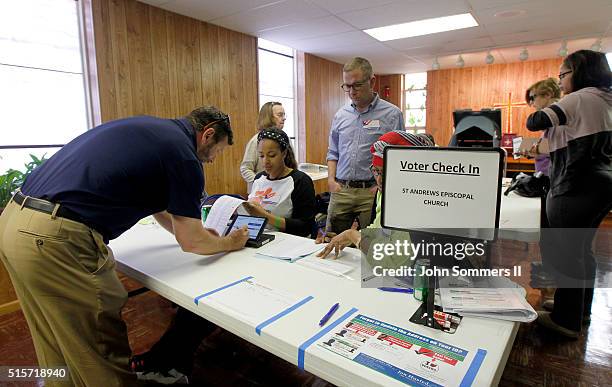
<point x="281" y="193"/>
<point x="579" y="131"/>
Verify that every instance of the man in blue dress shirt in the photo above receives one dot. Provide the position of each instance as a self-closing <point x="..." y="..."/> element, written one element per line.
<point x="356" y="126"/>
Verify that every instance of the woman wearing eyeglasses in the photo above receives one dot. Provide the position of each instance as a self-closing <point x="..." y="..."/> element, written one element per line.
<point x="579" y="130"/>
<point x="271" y="114"/>
<point x="540" y="95"/>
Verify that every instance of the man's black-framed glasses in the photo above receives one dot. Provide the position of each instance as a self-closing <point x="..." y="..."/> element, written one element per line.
<point x="355" y="86"/>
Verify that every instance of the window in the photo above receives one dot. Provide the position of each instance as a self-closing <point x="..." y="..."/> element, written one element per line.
<point x="42" y="93"/>
<point x="415" y="96"/>
<point x="276" y="82"/>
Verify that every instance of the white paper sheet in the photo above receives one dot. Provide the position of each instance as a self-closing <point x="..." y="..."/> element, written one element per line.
<point x="252" y="300"/>
<point x="219" y="216"/>
<point x="325" y="265"/>
<point x="289" y="248"/>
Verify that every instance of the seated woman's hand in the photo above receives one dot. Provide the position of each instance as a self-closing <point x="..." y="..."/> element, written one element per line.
<point x="340" y="241"/>
<point x="255" y="209"/>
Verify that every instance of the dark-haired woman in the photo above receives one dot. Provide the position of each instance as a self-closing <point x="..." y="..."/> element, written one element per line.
<point x="579" y="131"/>
<point x="281" y="193"/>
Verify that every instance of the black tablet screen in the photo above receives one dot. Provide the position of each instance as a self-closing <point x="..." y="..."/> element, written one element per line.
<point x="254" y="224"/>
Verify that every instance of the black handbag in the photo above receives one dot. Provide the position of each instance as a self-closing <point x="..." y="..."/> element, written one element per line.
<point x="531" y="186"/>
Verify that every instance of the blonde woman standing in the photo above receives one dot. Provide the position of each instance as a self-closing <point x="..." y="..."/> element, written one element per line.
<point x="271" y="114"/>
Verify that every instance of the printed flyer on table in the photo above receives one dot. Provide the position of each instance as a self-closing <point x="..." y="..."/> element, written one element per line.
<point x="409" y="357"/>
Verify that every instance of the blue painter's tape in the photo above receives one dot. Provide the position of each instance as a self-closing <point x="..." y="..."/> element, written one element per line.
<point x="321" y="333"/>
<point x="197" y="299"/>
<point x="470" y="375"/>
<point x="281" y="314"/>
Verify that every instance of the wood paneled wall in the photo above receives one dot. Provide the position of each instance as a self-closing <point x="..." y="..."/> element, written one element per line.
<point x="319" y="96"/>
<point x="154" y="62"/>
<point x="394" y="82"/>
<point x="482" y="87"/>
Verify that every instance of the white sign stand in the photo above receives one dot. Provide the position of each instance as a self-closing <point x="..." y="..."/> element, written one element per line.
<point x="454" y="190"/>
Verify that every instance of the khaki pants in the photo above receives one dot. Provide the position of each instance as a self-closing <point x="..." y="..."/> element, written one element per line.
<point x="346" y="205"/>
<point x="64" y="276"/>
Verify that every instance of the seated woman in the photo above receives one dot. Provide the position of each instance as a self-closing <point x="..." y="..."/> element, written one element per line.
<point x="283" y="195"/>
<point x="271" y="114"/>
<point x="353" y="236"/>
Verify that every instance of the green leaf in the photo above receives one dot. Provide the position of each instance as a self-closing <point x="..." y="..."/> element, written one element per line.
<point x="13" y="179"/>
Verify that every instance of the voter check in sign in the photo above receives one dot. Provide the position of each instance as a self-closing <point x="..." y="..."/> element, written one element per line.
<point x="442" y="188"/>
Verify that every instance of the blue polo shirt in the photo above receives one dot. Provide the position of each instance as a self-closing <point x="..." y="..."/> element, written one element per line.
<point x="119" y="172"/>
<point x="353" y="132"/>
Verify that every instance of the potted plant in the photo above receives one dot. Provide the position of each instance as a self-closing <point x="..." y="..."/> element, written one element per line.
<point x="13" y="179"/>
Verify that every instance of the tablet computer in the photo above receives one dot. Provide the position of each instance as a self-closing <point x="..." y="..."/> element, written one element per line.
<point x="255" y="225"/>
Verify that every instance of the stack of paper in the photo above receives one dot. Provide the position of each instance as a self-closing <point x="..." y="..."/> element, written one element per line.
<point x="289" y="248"/>
<point x="329" y="266"/>
<point x="252" y="300"/>
<point x="497" y="298"/>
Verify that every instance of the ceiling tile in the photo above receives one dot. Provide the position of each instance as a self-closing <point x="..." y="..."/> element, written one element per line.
<point x="211" y="9"/>
<point x="546" y="14"/>
<point x="439" y="38"/>
<point x="466" y="45"/>
<point x="328" y="25"/>
<point x="340" y="6"/>
<point x="277" y="15"/>
<point x="403" y="12"/>
<point x="552" y="33"/>
<point x="507" y="4"/>
<point x="352" y="39"/>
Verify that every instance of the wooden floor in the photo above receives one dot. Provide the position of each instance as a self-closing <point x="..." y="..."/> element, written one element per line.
<point x="538" y="358"/>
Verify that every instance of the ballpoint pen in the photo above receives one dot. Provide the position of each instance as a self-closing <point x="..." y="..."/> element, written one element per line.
<point x="328" y="315"/>
<point x="322" y="234"/>
<point x="397" y="290"/>
<point x="367" y="278"/>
